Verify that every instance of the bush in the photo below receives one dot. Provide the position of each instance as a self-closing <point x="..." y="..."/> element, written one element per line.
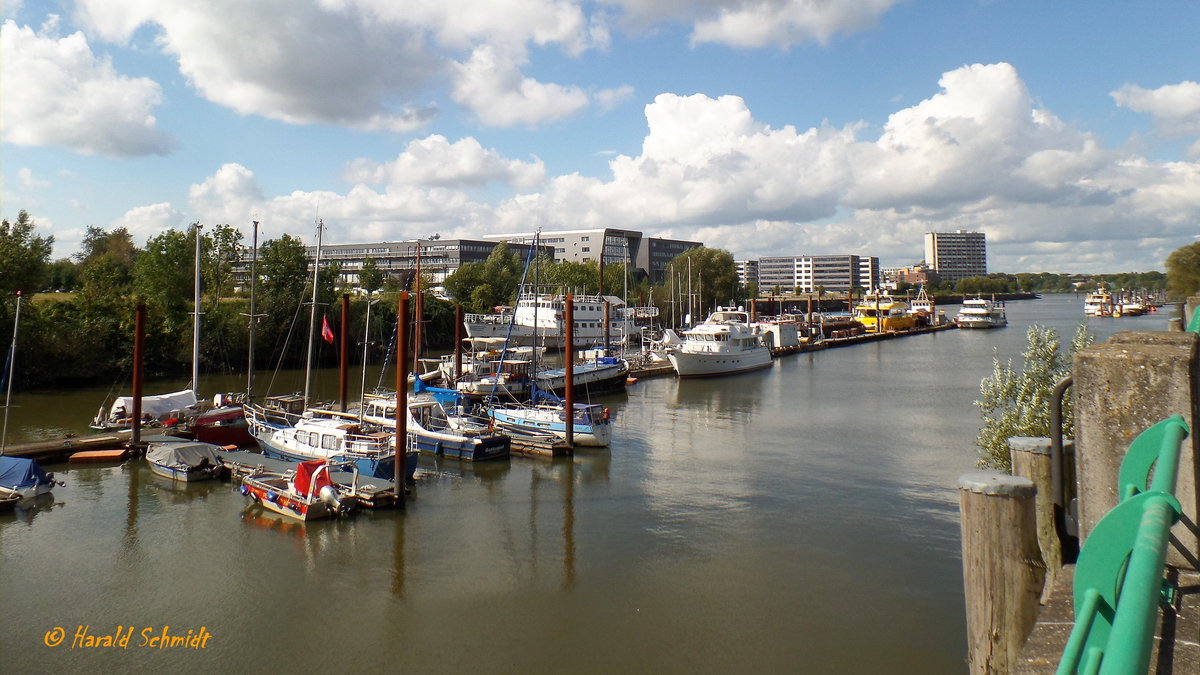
<point x="1018" y="403"/>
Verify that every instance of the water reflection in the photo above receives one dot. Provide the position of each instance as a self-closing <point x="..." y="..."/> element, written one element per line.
<point x="728" y="527"/>
<point x="27" y="509"/>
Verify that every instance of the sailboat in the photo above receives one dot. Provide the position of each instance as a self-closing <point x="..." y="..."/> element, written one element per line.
<point x="288" y="428"/>
<point x="591" y="423"/>
<point x="162" y="409"/>
<point x="226" y="423"/>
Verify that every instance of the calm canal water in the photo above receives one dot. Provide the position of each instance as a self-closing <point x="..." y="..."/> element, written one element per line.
<point x="799" y="519"/>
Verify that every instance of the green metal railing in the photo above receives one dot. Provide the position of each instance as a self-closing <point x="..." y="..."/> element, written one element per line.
<point x="1194" y="324"/>
<point x="1119" y="579"/>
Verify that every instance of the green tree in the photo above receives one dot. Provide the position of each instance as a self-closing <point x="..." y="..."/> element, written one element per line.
<point x="370" y="277"/>
<point x="1183" y="271"/>
<point x="1016" y="403"/>
<point x="63" y="274"/>
<point x="24" y="256"/>
<point x="482" y="286"/>
<point x="283" y="271"/>
<point x="221" y="252"/>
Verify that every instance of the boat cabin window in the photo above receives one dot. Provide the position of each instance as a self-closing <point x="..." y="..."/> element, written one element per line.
<point x="302" y="437"/>
<point x="328" y="442"/>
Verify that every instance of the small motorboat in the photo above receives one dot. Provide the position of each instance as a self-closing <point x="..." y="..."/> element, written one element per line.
<point x="25" y="477"/>
<point x="308" y="493"/>
<point x="185" y="461"/>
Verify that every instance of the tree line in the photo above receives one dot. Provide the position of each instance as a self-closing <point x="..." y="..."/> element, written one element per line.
<point x="85" y="333"/>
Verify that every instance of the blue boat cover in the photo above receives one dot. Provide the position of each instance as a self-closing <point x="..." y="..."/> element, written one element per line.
<point x="18" y="472"/>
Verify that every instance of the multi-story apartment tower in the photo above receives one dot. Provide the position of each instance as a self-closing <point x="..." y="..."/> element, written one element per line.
<point x="956" y="255"/>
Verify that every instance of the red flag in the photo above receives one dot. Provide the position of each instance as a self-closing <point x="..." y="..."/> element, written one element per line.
<point x="326" y="331"/>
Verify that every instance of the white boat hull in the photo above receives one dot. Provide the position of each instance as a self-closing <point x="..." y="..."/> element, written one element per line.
<point x="691" y="364"/>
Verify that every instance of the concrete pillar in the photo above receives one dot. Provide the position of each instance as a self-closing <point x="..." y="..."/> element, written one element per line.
<point x="1121" y="388"/>
<point x="1031" y="459"/>
<point x="1002" y="570"/>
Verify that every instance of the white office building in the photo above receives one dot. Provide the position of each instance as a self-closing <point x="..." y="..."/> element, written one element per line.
<point x="807" y="273"/>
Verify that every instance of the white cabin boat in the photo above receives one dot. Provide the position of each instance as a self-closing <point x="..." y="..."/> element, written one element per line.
<point x="1098" y="303"/>
<point x="333" y="437"/>
<point x="724" y="344"/>
<point x="981" y="313"/>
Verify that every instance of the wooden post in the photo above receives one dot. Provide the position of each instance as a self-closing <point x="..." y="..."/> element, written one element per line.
<point x="139" y="337"/>
<point x="458" y="338"/>
<point x="401" y="394"/>
<point x="344" y="360"/>
<point x="569" y="374"/>
<point x="1031" y="459"/>
<point x="1002" y="570"/>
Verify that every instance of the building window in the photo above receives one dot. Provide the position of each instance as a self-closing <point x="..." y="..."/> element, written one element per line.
<point x="587" y="249"/>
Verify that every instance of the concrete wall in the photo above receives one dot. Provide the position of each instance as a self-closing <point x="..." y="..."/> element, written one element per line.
<point x="1121" y="388"/>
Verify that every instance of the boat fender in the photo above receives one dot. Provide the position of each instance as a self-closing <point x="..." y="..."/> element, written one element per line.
<point x="272" y="496"/>
<point x="606" y="413"/>
<point x="244" y="490"/>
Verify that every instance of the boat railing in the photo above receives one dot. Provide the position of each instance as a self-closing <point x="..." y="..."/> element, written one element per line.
<point x="1119" y="577"/>
<point x="487" y="318"/>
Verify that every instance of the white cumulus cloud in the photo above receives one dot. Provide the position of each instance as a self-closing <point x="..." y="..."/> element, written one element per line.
<point x="434" y="161"/>
<point x="299" y="62"/>
<point x="1174" y="107"/>
<point x="144" y="222"/>
<point x="57" y="92"/>
<point x="491" y="85"/>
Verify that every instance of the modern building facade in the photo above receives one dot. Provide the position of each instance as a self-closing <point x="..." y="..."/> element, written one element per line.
<point x="805" y="274"/>
<point x="439" y="257"/>
<point x="647" y="254"/>
<point x="747" y="271"/>
<point x="956" y="255"/>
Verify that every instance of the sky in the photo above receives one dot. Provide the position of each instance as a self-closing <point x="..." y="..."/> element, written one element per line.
<point x="1068" y="132"/>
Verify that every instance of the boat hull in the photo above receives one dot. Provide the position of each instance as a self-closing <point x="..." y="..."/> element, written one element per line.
<point x="223" y="426"/>
<point x="186" y="474"/>
<point x="587" y="435"/>
<point x="588" y="378"/>
<point x="469" y="449"/>
<point x="382" y="467"/>
<point x="274" y="496"/>
<point x="690" y="364"/>
<point x="980" y="323"/>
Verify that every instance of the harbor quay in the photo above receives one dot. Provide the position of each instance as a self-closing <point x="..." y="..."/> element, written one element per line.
<point x="729" y="525"/>
<point x="1087" y="557"/>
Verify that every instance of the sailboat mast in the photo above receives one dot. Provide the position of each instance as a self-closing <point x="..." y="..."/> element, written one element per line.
<point x="312" y="315"/>
<point x="253" y="316"/>
<point x="691" y="298"/>
<point x="362" y="393"/>
<point x="419" y="306"/>
<point x="12" y="362"/>
<point x="196" y="319"/>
